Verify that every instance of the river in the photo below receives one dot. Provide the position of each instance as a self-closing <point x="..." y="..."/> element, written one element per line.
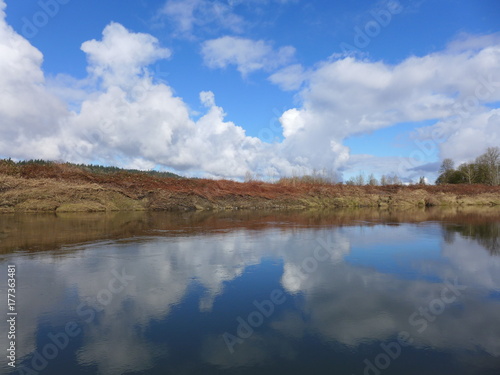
<point x="306" y="292"/>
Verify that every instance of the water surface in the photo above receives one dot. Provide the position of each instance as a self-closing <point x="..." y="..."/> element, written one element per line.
<point x="345" y="292"/>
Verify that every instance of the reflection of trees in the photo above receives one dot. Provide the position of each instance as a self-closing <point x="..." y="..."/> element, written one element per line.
<point x="449" y="235"/>
<point x="486" y="234"/>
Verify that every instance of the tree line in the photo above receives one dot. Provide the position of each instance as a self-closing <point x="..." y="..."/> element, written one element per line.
<point x="14" y="166"/>
<point x="485" y="169"/>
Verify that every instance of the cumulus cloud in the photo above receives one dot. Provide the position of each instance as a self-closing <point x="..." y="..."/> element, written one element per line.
<point x="347" y="96"/>
<point x="28" y="113"/>
<point x="121" y="55"/>
<point x="246" y="54"/>
<point x="155" y="126"/>
<point x="120" y="114"/>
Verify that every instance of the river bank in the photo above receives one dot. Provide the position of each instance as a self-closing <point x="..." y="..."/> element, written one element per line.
<point x="63" y="188"/>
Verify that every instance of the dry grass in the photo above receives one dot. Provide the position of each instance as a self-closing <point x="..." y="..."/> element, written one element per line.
<point x="66" y="187"/>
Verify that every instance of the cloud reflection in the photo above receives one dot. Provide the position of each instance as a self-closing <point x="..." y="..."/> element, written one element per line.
<point x="348" y="298"/>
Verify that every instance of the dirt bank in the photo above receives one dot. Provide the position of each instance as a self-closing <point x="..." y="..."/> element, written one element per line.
<point x="63" y="188"/>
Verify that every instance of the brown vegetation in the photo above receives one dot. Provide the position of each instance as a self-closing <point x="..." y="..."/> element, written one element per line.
<point x="66" y="187"/>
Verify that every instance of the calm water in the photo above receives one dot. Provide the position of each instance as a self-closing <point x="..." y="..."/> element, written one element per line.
<point x="348" y="292"/>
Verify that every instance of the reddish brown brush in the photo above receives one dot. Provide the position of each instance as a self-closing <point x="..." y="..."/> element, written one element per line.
<point x="293" y="187"/>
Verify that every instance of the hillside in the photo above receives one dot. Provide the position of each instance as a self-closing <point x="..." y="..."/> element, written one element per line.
<point x="63" y="187"/>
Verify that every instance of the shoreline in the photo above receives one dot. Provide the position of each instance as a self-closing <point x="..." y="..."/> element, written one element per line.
<point x="78" y="191"/>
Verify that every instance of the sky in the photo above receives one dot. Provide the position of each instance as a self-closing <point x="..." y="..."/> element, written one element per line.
<point x="268" y="88"/>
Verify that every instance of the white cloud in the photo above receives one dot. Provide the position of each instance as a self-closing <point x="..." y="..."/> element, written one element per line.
<point x="28" y="114"/>
<point x="289" y="78"/>
<point x="292" y="122"/>
<point x="465" y="42"/>
<point x="121" y="55"/>
<point x="345" y="97"/>
<point x="125" y="119"/>
<point x="472" y="137"/>
<point x="156" y="127"/>
<point x="193" y="18"/>
<point x="246" y="54"/>
<point x="186" y="15"/>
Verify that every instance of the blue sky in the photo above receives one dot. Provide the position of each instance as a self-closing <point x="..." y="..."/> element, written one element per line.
<point x="219" y="88"/>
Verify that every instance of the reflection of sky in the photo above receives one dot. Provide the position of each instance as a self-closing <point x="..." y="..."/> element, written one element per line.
<point x="188" y="291"/>
<point x="397" y="251"/>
